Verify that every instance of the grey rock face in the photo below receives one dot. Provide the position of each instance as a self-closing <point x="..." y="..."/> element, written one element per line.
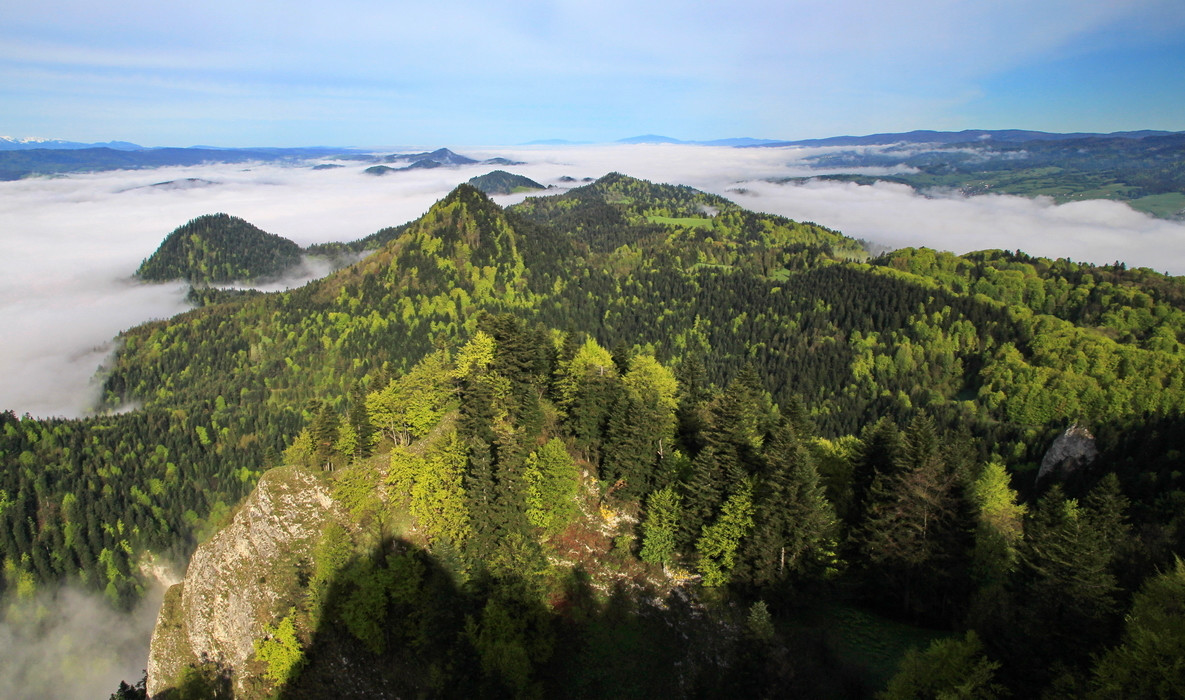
<point x="1071" y="451"/>
<point x="233" y="586"/>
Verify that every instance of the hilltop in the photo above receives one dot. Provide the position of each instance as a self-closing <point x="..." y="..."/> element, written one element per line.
<point x="502" y="182"/>
<point x="219" y="248"/>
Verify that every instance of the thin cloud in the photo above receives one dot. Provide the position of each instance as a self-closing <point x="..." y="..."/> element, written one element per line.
<point x="1095" y="231"/>
<point x="71" y="645"/>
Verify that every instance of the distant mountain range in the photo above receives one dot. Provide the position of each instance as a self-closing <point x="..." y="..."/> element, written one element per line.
<point x="35" y="157"/>
<point x="7" y="143"/>
<point x="918" y="136"/>
<point x="733" y="142"/>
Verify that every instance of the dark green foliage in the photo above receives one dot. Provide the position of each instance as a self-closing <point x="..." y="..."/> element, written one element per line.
<point x="1065" y="603"/>
<point x="795" y="525"/>
<point x="132" y="692"/>
<point x="1149" y="661"/>
<point x="914" y="539"/>
<point x="219" y="248"/>
<point x="502" y="182"/>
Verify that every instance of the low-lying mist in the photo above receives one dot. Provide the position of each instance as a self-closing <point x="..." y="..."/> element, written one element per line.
<point x="71" y="645"/>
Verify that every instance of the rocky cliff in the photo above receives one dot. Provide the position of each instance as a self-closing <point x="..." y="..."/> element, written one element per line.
<point x="236" y="581"/>
<point x="1072" y="450"/>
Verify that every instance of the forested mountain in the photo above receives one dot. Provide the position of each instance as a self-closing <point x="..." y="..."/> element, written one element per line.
<point x="502" y="182"/>
<point x="572" y="440"/>
<point x="219" y="248"/>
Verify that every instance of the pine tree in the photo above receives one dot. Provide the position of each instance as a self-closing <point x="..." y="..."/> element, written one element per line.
<point x="324" y="433"/>
<point x="880" y="453"/>
<point x="912" y="540"/>
<point x="1065" y="592"/>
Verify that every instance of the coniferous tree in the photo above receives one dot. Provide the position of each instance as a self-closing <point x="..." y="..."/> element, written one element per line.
<point x="880" y="453"/>
<point x="1148" y="662"/>
<point x="1065" y="603"/>
<point x="659" y="530"/>
<point x="719" y="544"/>
<point x="795" y="523"/>
<point x="702" y="496"/>
<point x="325" y="433"/>
<point x="912" y="541"/>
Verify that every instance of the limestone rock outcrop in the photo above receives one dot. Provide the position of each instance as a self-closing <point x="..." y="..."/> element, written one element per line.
<point x="1072" y="450"/>
<point x="236" y="580"/>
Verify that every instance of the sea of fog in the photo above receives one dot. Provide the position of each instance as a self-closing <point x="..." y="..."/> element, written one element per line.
<point x="71" y="243"/>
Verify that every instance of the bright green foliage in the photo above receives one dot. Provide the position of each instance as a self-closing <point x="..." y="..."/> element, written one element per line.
<point x="650" y="382"/>
<point x="553" y="482"/>
<point x="410" y="406"/>
<point x="660" y="529"/>
<point x="641" y="426"/>
<point x="280" y="650"/>
<point x="720" y="542"/>
<point x="587" y="386"/>
<point x="475" y="355"/>
<point x="301" y="450"/>
<point x="1150" y="663"/>
<point x="951" y="669"/>
<point x="999" y="527"/>
<point x="437" y="494"/>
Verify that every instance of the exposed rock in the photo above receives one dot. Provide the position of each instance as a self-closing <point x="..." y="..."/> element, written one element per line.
<point x="1071" y="451"/>
<point x="236" y="579"/>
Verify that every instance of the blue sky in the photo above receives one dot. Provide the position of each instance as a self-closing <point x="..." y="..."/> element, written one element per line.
<point x="356" y="73"/>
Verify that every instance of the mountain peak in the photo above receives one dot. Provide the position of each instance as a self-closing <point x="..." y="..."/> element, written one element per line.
<point x="219" y="248"/>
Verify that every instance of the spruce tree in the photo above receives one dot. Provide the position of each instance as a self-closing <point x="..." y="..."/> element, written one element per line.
<point x="794" y="520"/>
<point x="702" y="496"/>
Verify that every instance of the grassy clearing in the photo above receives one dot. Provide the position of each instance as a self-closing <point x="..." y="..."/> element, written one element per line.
<point x="1166" y="205"/>
<point x="686" y="221"/>
<point x="872" y="643"/>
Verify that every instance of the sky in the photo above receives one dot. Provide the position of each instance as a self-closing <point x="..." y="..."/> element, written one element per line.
<point x="454" y="72"/>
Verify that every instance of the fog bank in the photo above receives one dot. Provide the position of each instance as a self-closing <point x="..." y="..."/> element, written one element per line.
<point x="71" y="645"/>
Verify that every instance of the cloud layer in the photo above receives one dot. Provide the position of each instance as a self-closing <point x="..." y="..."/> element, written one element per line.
<point x="71" y="645"/>
<point x="72" y="243"/>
